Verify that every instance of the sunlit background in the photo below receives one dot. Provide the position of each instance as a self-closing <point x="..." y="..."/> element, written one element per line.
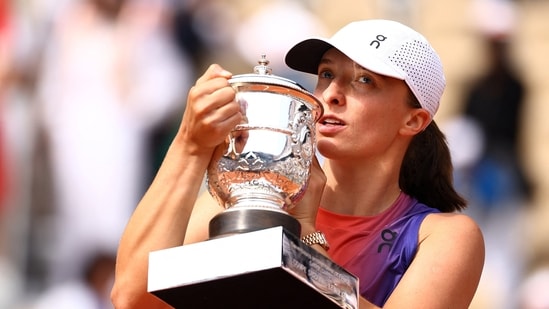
<point x="92" y="91"/>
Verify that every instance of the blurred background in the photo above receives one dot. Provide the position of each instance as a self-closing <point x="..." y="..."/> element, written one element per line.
<point x="92" y="91"/>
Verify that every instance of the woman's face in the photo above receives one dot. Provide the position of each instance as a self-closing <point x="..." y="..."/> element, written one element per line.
<point x="363" y="111"/>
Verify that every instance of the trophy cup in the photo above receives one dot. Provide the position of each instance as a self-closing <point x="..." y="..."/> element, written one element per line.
<point x="254" y="258"/>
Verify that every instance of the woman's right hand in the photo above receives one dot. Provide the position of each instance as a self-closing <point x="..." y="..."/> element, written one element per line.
<point x="211" y="112"/>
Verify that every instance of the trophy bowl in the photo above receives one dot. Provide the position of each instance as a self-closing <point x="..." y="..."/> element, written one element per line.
<point x="264" y="166"/>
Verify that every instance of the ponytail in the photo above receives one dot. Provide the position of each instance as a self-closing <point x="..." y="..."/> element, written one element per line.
<point x="427" y="171"/>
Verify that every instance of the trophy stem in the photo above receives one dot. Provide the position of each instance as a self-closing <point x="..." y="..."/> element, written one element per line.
<point x="244" y="219"/>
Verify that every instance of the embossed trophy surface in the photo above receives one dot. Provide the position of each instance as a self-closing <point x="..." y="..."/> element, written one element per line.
<point x="254" y="258"/>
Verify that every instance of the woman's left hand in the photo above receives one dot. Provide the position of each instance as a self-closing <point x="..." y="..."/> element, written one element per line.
<point x="306" y="209"/>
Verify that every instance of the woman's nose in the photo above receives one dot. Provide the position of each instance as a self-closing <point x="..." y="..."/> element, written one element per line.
<point x="333" y="94"/>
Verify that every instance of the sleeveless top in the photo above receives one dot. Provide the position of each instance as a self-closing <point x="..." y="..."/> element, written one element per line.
<point x="377" y="249"/>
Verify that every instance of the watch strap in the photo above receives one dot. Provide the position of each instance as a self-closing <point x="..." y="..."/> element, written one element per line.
<point x="316" y="238"/>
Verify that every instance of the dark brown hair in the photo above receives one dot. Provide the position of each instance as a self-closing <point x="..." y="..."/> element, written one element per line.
<point x="427" y="172"/>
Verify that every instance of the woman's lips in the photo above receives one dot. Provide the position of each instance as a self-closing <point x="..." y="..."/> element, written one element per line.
<point x="329" y="125"/>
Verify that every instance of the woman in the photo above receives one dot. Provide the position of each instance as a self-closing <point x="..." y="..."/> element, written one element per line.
<point x="384" y="198"/>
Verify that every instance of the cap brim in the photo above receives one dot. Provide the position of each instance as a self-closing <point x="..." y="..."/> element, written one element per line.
<point x="306" y="55"/>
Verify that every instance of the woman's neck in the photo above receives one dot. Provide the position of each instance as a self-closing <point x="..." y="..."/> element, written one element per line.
<point x="359" y="190"/>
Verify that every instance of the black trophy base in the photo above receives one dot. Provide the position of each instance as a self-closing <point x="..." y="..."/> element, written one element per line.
<point x="269" y="268"/>
<point x="269" y="289"/>
<point x="244" y="220"/>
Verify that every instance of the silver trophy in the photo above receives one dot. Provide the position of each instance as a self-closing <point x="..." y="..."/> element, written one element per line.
<point x="254" y="258"/>
<point x="267" y="159"/>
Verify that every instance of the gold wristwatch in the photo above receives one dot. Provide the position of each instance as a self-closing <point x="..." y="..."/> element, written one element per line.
<point x="316" y="238"/>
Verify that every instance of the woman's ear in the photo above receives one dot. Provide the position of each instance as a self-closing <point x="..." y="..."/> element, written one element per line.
<point x="417" y="121"/>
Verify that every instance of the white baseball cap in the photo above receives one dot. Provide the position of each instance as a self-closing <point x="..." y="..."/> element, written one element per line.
<point x="385" y="47"/>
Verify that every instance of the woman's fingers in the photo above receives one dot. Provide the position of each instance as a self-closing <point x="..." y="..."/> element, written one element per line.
<point x="211" y="111"/>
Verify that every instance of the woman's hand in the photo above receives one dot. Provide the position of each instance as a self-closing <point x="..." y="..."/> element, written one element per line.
<point x="211" y="112"/>
<point x="305" y="211"/>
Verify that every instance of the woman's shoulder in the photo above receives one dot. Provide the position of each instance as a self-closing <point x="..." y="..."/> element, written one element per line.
<point x="449" y="258"/>
<point x="452" y="220"/>
<point x="456" y="227"/>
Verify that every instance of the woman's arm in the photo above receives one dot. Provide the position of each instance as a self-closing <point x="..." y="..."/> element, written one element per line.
<point x="162" y="216"/>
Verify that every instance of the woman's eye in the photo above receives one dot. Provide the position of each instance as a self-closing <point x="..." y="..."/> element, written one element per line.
<point x="325" y="74"/>
<point x="364" y="80"/>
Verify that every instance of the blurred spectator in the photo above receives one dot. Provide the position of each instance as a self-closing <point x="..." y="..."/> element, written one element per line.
<point x="15" y="142"/>
<point x="91" y="290"/>
<point x="186" y="32"/>
<point x="5" y="42"/>
<point x="111" y="73"/>
<point x="492" y="173"/>
<point x="495" y="102"/>
<point x="6" y="297"/>
<point x="485" y="141"/>
<point x="205" y="30"/>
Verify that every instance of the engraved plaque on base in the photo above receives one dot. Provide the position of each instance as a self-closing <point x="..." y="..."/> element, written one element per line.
<point x="269" y="268"/>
